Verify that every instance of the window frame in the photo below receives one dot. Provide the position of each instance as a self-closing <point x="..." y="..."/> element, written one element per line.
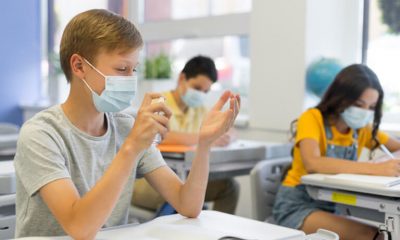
<point x="388" y="124"/>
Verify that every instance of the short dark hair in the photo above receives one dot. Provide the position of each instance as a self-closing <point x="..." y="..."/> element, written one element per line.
<point x="201" y="65"/>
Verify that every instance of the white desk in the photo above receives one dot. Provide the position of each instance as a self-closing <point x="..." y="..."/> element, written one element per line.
<point x="380" y="205"/>
<point x="209" y="225"/>
<point x="7" y="177"/>
<point x="7" y="216"/>
<point x="235" y="160"/>
<point x="7" y="199"/>
<point x="8" y="144"/>
<point x="8" y="140"/>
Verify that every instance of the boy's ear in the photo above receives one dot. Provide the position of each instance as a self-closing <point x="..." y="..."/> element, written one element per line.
<point x="182" y="78"/>
<point x="76" y="63"/>
<point x="181" y="86"/>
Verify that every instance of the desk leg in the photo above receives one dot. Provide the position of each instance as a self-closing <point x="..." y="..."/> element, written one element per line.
<point x="392" y="225"/>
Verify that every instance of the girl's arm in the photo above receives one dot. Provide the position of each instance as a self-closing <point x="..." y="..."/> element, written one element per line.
<point x="315" y="163"/>
<point x="393" y="144"/>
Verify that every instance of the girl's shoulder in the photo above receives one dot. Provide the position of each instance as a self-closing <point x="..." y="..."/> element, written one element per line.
<point x="311" y="115"/>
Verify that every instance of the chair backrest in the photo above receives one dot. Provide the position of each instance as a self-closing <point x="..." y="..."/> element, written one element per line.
<point x="8" y="140"/>
<point x="8" y="128"/>
<point x="265" y="179"/>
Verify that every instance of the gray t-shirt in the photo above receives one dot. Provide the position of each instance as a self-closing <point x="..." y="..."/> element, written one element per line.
<point x="50" y="147"/>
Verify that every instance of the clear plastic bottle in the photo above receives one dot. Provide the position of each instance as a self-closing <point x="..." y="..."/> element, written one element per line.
<point x="157" y="139"/>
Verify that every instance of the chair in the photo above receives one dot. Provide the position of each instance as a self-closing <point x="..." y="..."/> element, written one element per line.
<point x="265" y="179"/>
<point x="8" y="128"/>
<point x="8" y="140"/>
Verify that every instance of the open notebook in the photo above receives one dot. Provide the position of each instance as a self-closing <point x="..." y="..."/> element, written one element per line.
<point x="362" y="180"/>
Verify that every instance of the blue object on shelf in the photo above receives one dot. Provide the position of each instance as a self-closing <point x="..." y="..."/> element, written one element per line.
<point x="320" y="74"/>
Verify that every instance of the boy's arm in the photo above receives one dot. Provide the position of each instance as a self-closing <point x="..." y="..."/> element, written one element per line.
<point x="190" y="139"/>
<point x="82" y="216"/>
<point x="181" y="138"/>
<point x="188" y="198"/>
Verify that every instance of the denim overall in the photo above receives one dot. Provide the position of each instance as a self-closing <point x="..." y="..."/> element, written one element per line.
<point x="293" y="204"/>
<point x="335" y="151"/>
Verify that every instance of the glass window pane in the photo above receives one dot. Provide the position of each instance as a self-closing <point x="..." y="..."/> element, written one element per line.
<point x="156" y="10"/>
<point x="383" y="54"/>
<point x="230" y="53"/>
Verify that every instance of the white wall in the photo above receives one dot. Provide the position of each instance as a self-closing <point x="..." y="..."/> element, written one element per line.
<point x="277" y="38"/>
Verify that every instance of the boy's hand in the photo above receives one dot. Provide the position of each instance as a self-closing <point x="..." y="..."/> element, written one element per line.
<point x="148" y="122"/>
<point x="216" y="123"/>
<point x="225" y="139"/>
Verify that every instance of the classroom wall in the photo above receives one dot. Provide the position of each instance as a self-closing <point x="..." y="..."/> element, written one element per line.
<point x="20" y="57"/>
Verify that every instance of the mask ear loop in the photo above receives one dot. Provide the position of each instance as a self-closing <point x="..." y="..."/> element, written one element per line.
<point x="87" y="85"/>
<point x="94" y="67"/>
<point x="105" y="78"/>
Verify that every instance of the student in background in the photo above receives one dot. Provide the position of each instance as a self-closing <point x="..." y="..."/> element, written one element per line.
<point x="76" y="162"/>
<point x="329" y="139"/>
<point x="187" y="106"/>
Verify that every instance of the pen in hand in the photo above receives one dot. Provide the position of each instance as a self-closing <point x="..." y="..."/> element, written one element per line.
<point x="386" y="151"/>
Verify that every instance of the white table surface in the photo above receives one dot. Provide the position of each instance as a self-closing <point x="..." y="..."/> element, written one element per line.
<point x="318" y="180"/>
<point x="209" y="225"/>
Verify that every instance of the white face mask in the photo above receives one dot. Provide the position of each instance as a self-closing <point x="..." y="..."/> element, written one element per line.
<point x="356" y="117"/>
<point x="118" y="94"/>
<point x="194" y="98"/>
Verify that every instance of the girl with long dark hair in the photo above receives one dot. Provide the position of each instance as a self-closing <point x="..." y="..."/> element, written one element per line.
<point x="329" y="139"/>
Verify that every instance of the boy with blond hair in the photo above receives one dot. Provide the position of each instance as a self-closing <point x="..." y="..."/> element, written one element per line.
<point x="76" y="162"/>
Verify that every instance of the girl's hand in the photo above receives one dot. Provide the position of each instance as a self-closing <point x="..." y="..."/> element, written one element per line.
<point x="388" y="168"/>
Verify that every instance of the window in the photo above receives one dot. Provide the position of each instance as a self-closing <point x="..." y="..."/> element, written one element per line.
<point x="230" y="54"/>
<point x="382" y="52"/>
<point x="185" y="28"/>
<point x="180" y="28"/>
<point x="183" y="9"/>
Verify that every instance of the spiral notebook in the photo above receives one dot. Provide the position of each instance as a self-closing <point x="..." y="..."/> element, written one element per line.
<point x="363" y="180"/>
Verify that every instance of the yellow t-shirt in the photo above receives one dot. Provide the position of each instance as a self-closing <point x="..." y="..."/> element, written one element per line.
<point x="311" y="125"/>
<point x="189" y="121"/>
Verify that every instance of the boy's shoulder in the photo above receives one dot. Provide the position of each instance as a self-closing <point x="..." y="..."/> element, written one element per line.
<point x="44" y="119"/>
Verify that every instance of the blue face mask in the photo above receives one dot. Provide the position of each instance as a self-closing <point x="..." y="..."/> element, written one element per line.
<point x="118" y="94"/>
<point x="193" y="98"/>
<point x="356" y="117"/>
